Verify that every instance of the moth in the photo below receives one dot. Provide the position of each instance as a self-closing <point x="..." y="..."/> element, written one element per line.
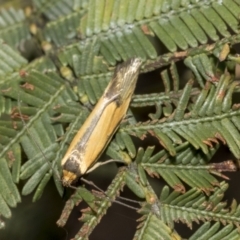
<point x="98" y="129"/>
<point x="96" y="132"/>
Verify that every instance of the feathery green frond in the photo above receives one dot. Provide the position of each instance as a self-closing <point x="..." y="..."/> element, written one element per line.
<point x="212" y="111"/>
<point x="43" y="104"/>
<point x="10" y="60"/>
<point x="215" y="232"/>
<point x="201" y="67"/>
<point x="42" y="92"/>
<point x="124" y="29"/>
<point x="9" y="196"/>
<point x="154" y="228"/>
<point x="13" y="26"/>
<point x="63" y="30"/>
<point x="189" y="166"/>
<point x="56" y="9"/>
<point x="194" y="206"/>
<point x="10" y="63"/>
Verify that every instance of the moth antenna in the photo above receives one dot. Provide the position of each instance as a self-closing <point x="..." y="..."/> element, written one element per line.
<point x="129" y="200"/>
<point x="65" y="232"/>
<point x="124" y="204"/>
<point x="115" y="201"/>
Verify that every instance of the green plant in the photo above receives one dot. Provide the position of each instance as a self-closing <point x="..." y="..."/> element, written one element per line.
<point x="76" y="46"/>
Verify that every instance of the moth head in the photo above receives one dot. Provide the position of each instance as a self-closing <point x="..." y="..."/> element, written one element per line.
<point x="71" y="171"/>
<point x="68" y="178"/>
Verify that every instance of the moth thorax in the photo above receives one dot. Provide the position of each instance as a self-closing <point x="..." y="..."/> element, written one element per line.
<point x="71" y="169"/>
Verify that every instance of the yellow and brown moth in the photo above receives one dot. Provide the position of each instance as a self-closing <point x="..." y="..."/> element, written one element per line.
<point x="96" y="132"/>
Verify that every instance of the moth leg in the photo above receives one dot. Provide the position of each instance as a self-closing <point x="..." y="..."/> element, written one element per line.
<point x="126" y="119"/>
<point x="90" y="108"/>
<point x="99" y="164"/>
<point x="112" y="98"/>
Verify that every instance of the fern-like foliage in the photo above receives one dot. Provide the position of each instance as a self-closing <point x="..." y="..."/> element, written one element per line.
<point x="43" y="103"/>
<point x="212" y="111"/>
<point x="216" y="231"/>
<point x="190" y="207"/>
<point x="13" y="26"/>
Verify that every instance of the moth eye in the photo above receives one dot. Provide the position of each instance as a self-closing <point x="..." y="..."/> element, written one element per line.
<point x="72" y="166"/>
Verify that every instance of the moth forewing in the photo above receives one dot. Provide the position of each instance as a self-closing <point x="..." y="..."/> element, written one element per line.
<point x="94" y="135"/>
